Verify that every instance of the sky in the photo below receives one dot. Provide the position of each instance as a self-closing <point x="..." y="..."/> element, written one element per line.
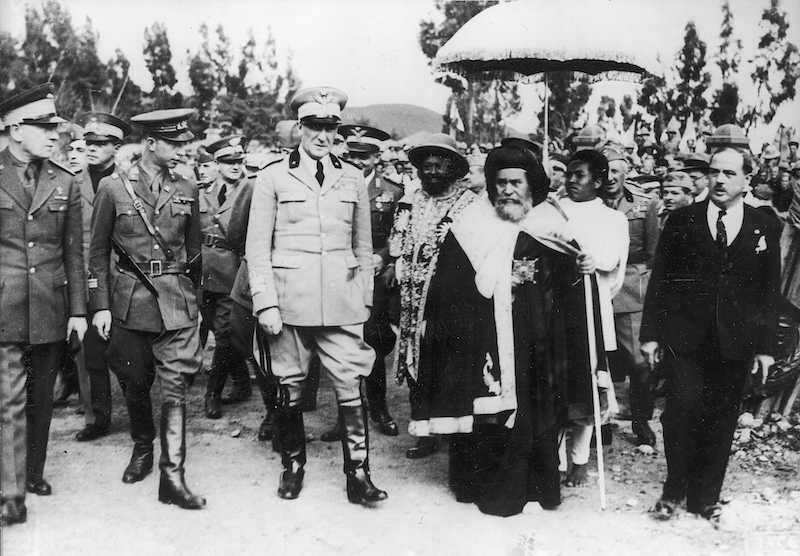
<point x="369" y="48"/>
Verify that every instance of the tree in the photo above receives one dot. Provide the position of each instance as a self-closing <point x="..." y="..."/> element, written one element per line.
<point x="566" y="101"/>
<point x="777" y="68"/>
<point x="685" y="98"/>
<point x="728" y="58"/>
<point x="484" y="106"/>
<point x="158" y="57"/>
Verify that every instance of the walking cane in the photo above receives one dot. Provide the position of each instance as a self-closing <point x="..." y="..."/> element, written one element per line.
<point x="601" y="476"/>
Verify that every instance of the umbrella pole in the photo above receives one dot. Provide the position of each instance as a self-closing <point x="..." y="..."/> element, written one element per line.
<point x="546" y="154"/>
<point x="601" y="475"/>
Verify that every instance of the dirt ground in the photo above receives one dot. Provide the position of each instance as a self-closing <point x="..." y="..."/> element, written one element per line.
<point x="92" y="512"/>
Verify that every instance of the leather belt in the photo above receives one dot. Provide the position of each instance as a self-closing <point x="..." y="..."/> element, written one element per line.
<point x="157" y="267"/>
<point x="210" y="240"/>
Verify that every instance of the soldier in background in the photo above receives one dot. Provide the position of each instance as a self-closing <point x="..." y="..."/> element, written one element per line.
<point x="41" y="263"/>
<point x="206" y="173"/>
<point x="627" y="360"/>
<point x="220" y="264"/>
<point x="150" y="314"/>
<point x="363" y="145"/>
<point x="103" y="136"/>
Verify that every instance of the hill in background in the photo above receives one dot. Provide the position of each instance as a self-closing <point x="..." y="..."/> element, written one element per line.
<point x="398" y="120"/>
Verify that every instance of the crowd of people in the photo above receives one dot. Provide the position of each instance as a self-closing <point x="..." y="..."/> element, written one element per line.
<point x="512" y="288"/>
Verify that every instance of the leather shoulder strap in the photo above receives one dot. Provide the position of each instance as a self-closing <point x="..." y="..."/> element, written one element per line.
<point x="137" y="204"/>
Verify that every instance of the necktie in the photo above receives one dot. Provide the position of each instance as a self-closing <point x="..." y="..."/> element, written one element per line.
<point x="30" y="182"/>
<point x="154" y="187"/>
<point x="320" y="175"/>
<point x="722" y="235"/>
<point x="223" y="192"/>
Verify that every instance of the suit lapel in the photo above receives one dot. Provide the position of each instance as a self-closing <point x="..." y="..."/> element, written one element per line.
<point x="44" y="188"/>
<point x="332" y="175"/>
<point x="374" y="188"/>
<point x="87" y="193"/>
<point x="299" y="171"/>
<point x="10" y="182"/>
<point x="747" y="239"/>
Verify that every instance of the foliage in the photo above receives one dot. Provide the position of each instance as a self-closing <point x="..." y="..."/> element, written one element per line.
<point x="728" y="58"/>
<point x="777" y="68"/>
<point x="158" y="57"/>
<point x="686" y="97"/>
<point x="566" y="102"/>
<point x="485" y="106"/>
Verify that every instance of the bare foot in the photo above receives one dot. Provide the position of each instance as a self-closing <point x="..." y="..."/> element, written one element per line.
<point x="577" y="476"/>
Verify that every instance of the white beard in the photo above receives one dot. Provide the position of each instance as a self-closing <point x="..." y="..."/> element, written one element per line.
<point x="512" y="211"/>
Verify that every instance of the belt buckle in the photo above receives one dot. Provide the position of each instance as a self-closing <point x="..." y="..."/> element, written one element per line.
<point x="155" y="268"/>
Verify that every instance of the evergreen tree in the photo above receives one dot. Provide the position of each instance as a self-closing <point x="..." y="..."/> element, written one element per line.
<point x="158" y="57"/>
<point x="728" y="58"/>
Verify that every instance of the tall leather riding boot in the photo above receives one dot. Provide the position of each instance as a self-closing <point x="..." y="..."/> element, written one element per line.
<point x="143" y="432"/>
<point x="269" y="394"/>
<point x="308" y="397"/>
<point x="375" y="386"/>
<point x="172" y="489"/>
<point x="292" y="440"/>
<point x="240" y="377"/>
<point x="355" y="444"/>
<point x="216" y="382"/>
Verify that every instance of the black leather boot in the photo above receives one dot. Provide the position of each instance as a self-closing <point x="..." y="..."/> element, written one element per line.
<point x="172" y="489"/>
<point x="355" y="444"/>
<point x="308" y="396"/>
<point x="143" y="432"/>
<point x="240" y="376"/>
<point x="292" y="441"/>
<point x="216" y="382"/>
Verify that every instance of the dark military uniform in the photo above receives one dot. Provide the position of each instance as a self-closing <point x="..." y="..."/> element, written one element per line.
<point x="151" y="335"/>
<point x="383" y="197"/>
<point x="42" y="284"/>
<point x="220" y="264"/>
<point x="627" y="360"/>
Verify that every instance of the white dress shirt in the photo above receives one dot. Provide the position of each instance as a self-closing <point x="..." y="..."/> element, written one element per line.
<point x="732" y="220"/>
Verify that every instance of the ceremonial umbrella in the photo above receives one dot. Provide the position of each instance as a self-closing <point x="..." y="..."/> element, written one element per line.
<point x="527" y="40"/>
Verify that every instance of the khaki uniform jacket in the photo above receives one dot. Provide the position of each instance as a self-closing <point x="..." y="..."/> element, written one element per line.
<point x="176" y="215"/>
<point x="42" y="277"/>
<point x="309" y="247"/>
<point x="630" y="298"/>
<point x="220" y="263"/>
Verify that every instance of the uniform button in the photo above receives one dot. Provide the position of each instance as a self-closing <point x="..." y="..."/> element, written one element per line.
<point x="30" y="244"/>
<point x="158" y="212"/>
<point x="216" y="225"/>
<point x="324" y="253"/>
<point x="30" y="217"/>
<point x="323" y="234"/>
<point x="33" y="270"/>
<point x="155" y="247"/>
<point x="158" y="229"/>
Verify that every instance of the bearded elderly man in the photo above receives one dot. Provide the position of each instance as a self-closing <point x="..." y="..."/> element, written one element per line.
<point x="309" y="254"/>
<point x="420" y="226"/>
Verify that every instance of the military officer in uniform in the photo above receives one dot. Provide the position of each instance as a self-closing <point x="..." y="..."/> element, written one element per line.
<point x="103" y="136"/>
<point x="309" y="252"/>
<point x="220" y="264"/>
<point x="42" y="290"/>
<point x="206" y="173"/>
<point x="363" y="146"/>
<point x="144" y="299"/>
<point x="627" y="360"/>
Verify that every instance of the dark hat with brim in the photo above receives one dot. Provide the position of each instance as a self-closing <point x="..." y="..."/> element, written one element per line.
<point x="228" y="149"/>
<point x="99" y="126"/>
<point x="203" y="156"/>
<point x="440" y="144"/>
<point x="505" y="157"/>
<point x="35" y="106"/>
<point x="680" y="179"/>
<point x="696" y="161"/>
<point x="363" y="139"/>
<point x="171" y="125"/>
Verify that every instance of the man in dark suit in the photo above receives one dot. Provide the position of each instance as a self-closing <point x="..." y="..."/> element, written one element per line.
<point x="42" y="290"/>
<point x="710" y="316"/>
<point x="145" y="301"/>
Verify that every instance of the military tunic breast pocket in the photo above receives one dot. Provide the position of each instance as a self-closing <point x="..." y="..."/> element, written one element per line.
<point x="180" y="210"/>
<point x="290" y="206"/>
<point x="347" y="203"/>
<point x="129" y="223"/>
<point x="6" y="222"/>
<point x="58" y="212"/>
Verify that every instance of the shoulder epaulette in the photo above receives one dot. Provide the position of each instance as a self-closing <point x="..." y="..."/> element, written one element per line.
<point x="59" y="165"/>
<point x="281" y="159"/>
<point x="350" y="162"/>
